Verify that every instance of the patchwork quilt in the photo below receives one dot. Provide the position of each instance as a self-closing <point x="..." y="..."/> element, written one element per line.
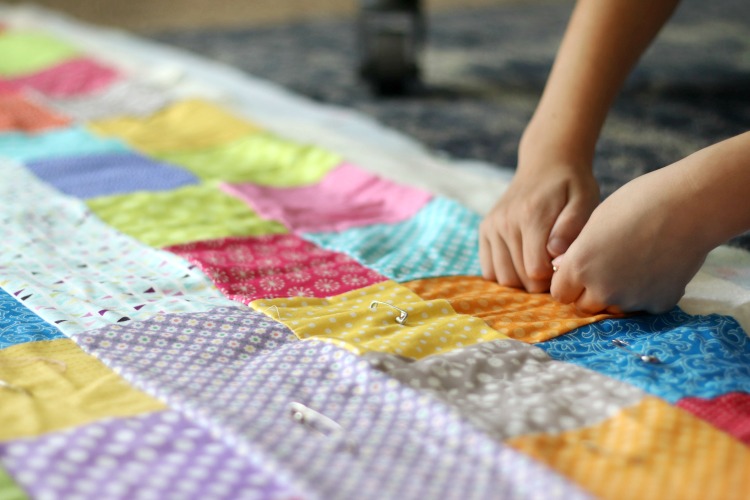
<point x="195" y="303"/>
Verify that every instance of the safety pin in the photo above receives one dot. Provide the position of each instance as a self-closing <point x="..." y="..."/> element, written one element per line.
<point x="319" y="423"/>
<point x="646" y="358"/>
<point x="401" y="319"/>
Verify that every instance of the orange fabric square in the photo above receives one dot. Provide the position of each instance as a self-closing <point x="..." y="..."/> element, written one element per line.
<point x="519" y="315"/>
<point x="652" y="450"/>
<point x="18" y="113"/>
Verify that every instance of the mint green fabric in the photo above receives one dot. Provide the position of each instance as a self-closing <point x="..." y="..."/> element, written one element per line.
<point x="260" y="158"/>
<point x="24" y="52"/>
<point x="192" y="213"/>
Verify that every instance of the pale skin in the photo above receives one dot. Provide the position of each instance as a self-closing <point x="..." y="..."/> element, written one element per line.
<point x="639" y="248"/>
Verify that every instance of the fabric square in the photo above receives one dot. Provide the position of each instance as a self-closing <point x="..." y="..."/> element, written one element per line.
<point x="528" y="317"/>
<point x="56" y="143"/>
<point x="9" y="489"/>
<point x="26" y="52"/>
<point x="131" y="97"/>
<point x="728" y="412"/>
<point x="508" y="388"/>
<point x="389" y="442"/>
<point x="54" y="385"/>
<point x="348" y="320"/>
<point x="698" y="356"/>
<point x="18" y="113"/>
<point x="70" y="78"/>
<point x="190" y="213"/>
<point x="157" y="455"/>
<point x="261" y="158"/>
<point x="106" y="174"/>
<point x="651" y="451"/>
<point x="189" y="124"/>
<point x="278" y="265"/>
<point x="96" y="277"/>
<point x="440" y="240"/>
<point x="18" y="324"/>
<point x="346" y="197"/>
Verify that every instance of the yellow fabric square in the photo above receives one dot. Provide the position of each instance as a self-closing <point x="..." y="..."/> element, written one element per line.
<point x="54" y="385"/>
<point x="185" y="125"/>
<point x="191" y="213"/>
<point x="528" y="317"/>
<point x="431" y="326"/>
<point x="652" y="450"/>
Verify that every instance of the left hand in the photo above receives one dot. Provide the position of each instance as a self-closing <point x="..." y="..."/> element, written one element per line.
<point x="639" y="249"/>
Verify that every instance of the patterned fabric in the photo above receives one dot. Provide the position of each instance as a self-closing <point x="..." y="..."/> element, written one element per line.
<point x="18" y="113"/>
<point x="190" y="124"/>
<point x="190" y="213"/>
<point x="729" y="412"/>
<point x="106" y="174"/>
<point x="54" y="385"/>
<point x="280" y="265"/>
<point x="261" y="158"/>
<point x="121" y="98"/>
<point x="26" y="52"/>
<point x="147" y="456"/>
<point x="347" y="197"/>
<point x="347" y="320"/>
<point x="650" y="451"/>
<point x="78" y="76"/>
<point x="98" y="277"/>
<point x="702" y="356"/>
<point x="392" y="443"/>
<point x="444" y="232"/>
<point x="513" y="312"/>
<point x="19" y="325"/>
<point x="73" y="141"/>
<point x="508" y="388"/>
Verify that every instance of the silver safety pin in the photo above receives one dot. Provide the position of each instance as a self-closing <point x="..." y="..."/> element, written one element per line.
<point x="646" y="358"/>
<point x="401" y="319"/>
<point x="319" y="423"/>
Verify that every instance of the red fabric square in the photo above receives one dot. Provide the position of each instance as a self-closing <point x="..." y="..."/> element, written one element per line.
<point x="18" y="113"/>
<point x="273" y="266"/>
<point x="729" y="412"/>
<point x="76" y="77"/>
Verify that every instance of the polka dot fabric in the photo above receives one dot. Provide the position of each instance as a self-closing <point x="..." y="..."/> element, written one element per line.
<point x="512" y="312"/>
<point x="278" y="265"/>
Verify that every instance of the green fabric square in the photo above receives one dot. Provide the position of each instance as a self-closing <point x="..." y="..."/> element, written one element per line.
<point x="259" y="158"/>
<point x="27" y="52"/>
<point x="191" y="213"/>
<point x="9" y="490"/>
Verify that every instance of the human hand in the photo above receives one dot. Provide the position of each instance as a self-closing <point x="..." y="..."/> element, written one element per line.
<point x="537" y="218"/>
<point x="638" y="250"/>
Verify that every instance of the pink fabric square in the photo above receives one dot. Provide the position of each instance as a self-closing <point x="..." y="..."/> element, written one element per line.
<point x="277" y="265"/>
<point x="347" y="197"/>
<point x="729" y="412"/>
<point x="71" y="78"/>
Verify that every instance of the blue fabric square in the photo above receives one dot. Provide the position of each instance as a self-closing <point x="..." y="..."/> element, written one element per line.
<point x="102" y="174"/>
<point x="700" y="356"/>
<point x="19" y="324"/>
<point x="440" y="240"/>
<point x="71" y="141"/>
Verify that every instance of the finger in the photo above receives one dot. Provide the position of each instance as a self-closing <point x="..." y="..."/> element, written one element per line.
<point x="536" y="260"/>
<point x="566" y="229"/>
<point x="564" y="287"/>
<point x="485" y="259"/>
<point x="589" y="303"/>
<point x="515" y="249"/>
<point x="505" y="271"/>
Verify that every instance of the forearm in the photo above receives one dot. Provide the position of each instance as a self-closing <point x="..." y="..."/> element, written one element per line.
<point x="719" y="180"/>
<point x="603" y="41"/>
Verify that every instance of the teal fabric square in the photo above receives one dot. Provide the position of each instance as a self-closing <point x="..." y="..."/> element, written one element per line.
<point x="18" y="324"/>
<point x="73" y="141"/>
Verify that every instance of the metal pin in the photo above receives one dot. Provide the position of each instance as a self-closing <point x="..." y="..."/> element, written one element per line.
<point x="646" y="358"/>
<point x="401" y="319"/>
<point x="319" y="423"/>
<point x="14" y="388"/>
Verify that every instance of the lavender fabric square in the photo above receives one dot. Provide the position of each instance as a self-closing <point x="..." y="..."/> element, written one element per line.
<point x="238" y="372"/>
<point x="103" y="174"/>
<point x="159" y="455"/>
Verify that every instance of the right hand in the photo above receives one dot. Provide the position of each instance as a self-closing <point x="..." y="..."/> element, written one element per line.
<point x="538" y="217"/>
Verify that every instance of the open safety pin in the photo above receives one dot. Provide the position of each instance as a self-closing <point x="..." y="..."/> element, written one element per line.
<point x="401" y="319"/>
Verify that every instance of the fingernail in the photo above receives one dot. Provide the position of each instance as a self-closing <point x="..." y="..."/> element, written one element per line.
<point x="557" y="246"/>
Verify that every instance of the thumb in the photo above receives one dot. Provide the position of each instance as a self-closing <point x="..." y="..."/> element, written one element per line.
<point x="566" y="229"/>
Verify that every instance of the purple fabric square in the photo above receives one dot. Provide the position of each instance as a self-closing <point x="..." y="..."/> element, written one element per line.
<point x="89" y="176"/>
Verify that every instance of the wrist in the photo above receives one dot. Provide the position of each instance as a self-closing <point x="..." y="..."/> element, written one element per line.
<point x="545" y="146"/>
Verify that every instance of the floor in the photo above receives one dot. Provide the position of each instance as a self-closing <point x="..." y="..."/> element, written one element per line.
<point x="146" y="16"/>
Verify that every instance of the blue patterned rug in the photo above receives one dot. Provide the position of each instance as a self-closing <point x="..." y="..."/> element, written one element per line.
<point x="485" y="69"/>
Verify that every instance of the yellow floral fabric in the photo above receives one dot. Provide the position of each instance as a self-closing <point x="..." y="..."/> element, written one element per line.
<point x="431" y="327"/>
